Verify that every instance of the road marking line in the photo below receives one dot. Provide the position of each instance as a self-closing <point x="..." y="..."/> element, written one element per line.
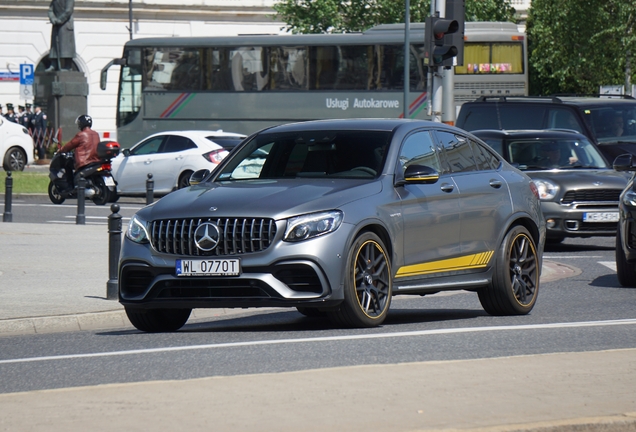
<point x="556" y="257"/>
<point x="605" y="323"/>
<point x="609" y="264"/>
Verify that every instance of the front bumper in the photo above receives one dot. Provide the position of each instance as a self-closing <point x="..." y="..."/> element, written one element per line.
<point x="567" y="220"/>
<point x="308" y="273"/>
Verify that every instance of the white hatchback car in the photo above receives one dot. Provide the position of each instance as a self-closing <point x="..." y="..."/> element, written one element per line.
<point x="16" y="146"/>
<point x="171" y="157"/>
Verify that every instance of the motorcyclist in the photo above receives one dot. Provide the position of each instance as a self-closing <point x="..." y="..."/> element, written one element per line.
<point x="84" y="143"/>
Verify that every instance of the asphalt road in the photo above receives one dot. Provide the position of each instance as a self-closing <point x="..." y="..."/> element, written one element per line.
<point x="279" y="356"/>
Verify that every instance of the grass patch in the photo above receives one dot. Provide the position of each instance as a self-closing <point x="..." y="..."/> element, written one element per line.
<point x="26" y="182"/>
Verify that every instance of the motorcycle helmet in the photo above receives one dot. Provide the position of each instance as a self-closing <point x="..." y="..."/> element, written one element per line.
<point x="84" y="121"/>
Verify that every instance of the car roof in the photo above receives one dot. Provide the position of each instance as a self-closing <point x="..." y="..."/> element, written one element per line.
<point x="382" y="124"/>
<point x="200" y="133"/>
<point x="583" y="100"/>
<point x="529" y="133"/>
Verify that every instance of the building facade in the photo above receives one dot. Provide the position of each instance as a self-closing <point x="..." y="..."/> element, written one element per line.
<point x="102" y="27"/>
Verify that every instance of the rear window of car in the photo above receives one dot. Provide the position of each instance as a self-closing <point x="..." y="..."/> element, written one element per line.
<point x="227" y="143"/>
<point x="502" y="116"/>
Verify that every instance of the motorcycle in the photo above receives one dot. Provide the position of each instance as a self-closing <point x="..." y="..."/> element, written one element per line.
<point x="100" y="187"/>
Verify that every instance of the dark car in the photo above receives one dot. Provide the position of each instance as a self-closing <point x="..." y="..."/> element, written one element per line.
<point x="609" y="122"/>
<point x="626" y="232"/>
<point x="335" y="218"/>
<point x="579" y="191"/>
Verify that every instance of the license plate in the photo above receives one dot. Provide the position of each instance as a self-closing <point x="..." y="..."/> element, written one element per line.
<point x="108" y="181"/>
<point x="600" y="217"/>
<point x="208" y="267"/>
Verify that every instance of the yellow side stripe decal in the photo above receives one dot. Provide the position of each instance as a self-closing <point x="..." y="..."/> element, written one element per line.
<point x="453" y="264"/>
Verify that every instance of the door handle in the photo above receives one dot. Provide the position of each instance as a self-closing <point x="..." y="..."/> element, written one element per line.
<point x="495" y="183"/>
<point x="147" y="162"/>
<point x="447" y="187"/>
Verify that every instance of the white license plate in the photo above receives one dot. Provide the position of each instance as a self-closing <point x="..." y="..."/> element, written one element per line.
<point x="208" y="267"/>
<point x="108" y="181"/>
<point x="600" y="217"/>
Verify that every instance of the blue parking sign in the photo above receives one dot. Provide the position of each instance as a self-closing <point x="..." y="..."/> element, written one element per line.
<point x="26" y="74"/>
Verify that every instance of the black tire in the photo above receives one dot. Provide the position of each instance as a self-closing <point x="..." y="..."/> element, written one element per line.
<point x="367" y="286"/>
<point x="54" y="195"/>
<point x="624" y="270"/>
<point x="515" y="282"/>
<point x="102" y="192"/>
<point x="15" y="159"/>
<point x="311" y="312"/>
<point x="158" y="320"/>
<point x="184" y="180"/>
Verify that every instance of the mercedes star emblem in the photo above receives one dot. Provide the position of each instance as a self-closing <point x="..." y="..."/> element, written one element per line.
<point x="206" y="236"/>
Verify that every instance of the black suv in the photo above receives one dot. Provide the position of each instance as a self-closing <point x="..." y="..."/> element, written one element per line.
<point x="609" y="122"/>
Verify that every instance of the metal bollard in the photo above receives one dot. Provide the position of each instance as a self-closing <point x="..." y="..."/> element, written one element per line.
<point x="114" y="248"/>
<point x="80" y="219"/>
<point x="8" y="190"/>
<point x="150" y="185"/>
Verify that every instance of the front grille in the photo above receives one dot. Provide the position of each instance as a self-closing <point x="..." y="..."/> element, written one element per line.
<point x="237" y="236"/>
<point x="608" y="227"/>
<point x="204" y="288"/>
<point x="591" y="195"/>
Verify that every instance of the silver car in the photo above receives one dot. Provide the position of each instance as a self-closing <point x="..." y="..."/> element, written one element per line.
<point x="334" y="218"/>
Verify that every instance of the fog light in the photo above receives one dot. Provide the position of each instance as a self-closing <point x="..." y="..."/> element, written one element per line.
<point x="550" y="223"/>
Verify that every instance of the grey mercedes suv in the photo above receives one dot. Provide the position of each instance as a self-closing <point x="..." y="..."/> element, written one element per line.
<point x="334" y="218"/>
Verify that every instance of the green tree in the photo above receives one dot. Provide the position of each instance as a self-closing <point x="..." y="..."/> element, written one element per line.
<point x="333" y="16"/>
<point x="575" y="46"/>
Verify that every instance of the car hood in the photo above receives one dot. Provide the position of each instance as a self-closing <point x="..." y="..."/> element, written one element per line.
<point x="583" y="178"/>
<point x="275" y="199"/>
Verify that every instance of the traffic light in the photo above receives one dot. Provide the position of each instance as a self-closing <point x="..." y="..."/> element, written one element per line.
<point x="456" y="10"/>
<point x="444" y="37"/>
<point x="439" y="47"/>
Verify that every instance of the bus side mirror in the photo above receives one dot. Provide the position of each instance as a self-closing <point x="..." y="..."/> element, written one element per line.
<point x="624" y="162"/>
<point x="104" y="74"/>
<point x="198" y="176"/>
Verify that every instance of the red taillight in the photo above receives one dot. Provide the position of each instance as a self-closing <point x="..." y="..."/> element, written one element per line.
<point x="105" y="167"/>
<point x="216" y="156"/>
<point x="534" y="189"/>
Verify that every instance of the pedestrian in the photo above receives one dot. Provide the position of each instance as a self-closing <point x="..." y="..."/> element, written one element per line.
<point x="30" y="115"/>
<point x="10" y="115"/>
<point x="39" y="130"/>
<point x="21" y="116"/>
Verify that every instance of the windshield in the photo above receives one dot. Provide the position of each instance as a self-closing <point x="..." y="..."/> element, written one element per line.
<point x="543" y="154"/>
<point x="612" y="124"/>
<point x="333" y="154"/>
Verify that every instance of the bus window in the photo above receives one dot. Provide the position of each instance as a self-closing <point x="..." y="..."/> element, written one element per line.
<point x="492" y="58"/>
<point x="288" y="68"/>
<point x="129" y="100"/>
<point x="250" y="68"/>
<point x="173" y="69"/>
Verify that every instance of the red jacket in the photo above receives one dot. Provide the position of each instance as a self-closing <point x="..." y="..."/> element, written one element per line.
<point x="85" y="146"/>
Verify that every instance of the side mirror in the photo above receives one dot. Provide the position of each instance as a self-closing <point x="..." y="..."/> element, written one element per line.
<point x="126" y="152"/>
<point x="198" y="176"/>
<point x="624" y="162"/>
<point x="420" y="174"/>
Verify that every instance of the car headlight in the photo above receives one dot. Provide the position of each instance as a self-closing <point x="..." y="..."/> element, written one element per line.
<point x="547" y="189"/>
<point x="629" y="199"/>
<point x="312" y="225"/>
<point x="137" y="230"/>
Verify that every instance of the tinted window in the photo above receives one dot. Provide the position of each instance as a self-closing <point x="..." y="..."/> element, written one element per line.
<point x="227" y="143"/>
<point x="486" y="160"/>
<point x="148" y="147"/>
<point x="458" y="152"/>
<point x="503" y="116"/>
<point x="337" y="154"/>
<point x="176" y="143"/>
<point x="419" y="149"/>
